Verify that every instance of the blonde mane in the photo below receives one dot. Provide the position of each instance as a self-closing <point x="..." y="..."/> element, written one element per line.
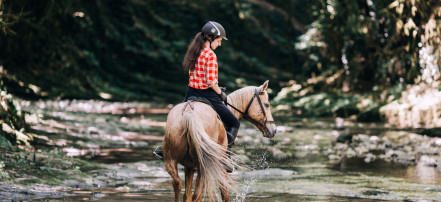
<point x="241" y="97"/>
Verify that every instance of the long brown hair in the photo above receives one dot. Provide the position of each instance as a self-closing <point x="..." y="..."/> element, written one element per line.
<point x="195" y="48"/>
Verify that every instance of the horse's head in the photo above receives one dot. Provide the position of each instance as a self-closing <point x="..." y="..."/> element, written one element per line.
<point x="256" y="108"/>
<point x="261" y="112"/>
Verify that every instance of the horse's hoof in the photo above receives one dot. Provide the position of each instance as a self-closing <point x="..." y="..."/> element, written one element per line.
<point x="158" y="154"/>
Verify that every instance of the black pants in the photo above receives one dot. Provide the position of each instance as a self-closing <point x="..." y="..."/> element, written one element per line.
<point x="227" y="117"/>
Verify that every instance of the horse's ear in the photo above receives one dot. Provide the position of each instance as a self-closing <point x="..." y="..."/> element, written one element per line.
<point x="264" y="86"/>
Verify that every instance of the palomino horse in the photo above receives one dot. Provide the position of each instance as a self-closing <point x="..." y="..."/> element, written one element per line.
<point x="195" y="137"/>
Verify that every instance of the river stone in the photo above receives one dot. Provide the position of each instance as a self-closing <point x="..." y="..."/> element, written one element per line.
<point x="361" y="150"/>
<point x="328" y="151"/>
<point x="374" y="138"/>
<point x="350" y="153"/>
<point x="428" y="160"/>
<point x="284" y="129"/>
<point x="436" y="142"/>
<point x="72" y="183"/>
<point x="340" y="146"/>
<point x="369" y="158"/>
<point x="403" y="137"/>
<point x="361" y="138"/>
<point x="422" y="148"/>
<point x="372" y="147"/>
<point x="399" y="156"/>
<point x="334" y="157"/>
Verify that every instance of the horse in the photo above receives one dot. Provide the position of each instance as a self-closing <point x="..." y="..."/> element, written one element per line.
<point x="196" y="138"/>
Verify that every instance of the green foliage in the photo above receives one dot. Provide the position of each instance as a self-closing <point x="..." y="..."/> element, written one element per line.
<point x="325" y="104"/>
<point x="134" y="49"/>
<point x="377" y="43"/>
<point x="4" y="142"/>
<point x="364" y="49"/>
<point x="304" y="100"/>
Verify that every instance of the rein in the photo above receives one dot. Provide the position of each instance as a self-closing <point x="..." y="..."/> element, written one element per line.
<point x="245" y="113"/>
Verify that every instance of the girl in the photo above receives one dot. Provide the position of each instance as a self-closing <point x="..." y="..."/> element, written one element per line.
<point x="201" y="63"/>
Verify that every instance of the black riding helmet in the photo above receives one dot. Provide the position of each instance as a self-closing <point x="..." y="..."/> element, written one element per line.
<point x="214" y="28"/>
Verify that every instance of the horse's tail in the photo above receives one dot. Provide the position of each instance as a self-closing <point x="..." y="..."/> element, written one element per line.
<point x="211" y="156"/>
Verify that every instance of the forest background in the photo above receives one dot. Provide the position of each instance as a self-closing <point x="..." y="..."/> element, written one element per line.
<point x="322" y="57"/>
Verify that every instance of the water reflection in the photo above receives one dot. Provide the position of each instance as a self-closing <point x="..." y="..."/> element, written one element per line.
<point x="419" y="173"/>
<point x="423" y="174"/>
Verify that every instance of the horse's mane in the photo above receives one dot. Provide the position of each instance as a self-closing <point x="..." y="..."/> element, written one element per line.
<point x="241" y="97"/>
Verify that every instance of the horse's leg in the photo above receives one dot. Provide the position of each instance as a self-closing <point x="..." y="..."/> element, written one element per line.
<point x="224" y="191"/>
<point x="198" y="190"/>
<point x="189" y="173"/>
<point x="172" y="169"/>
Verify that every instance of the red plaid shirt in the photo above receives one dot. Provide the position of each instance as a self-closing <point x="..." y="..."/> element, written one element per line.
<point x="204" y="75"/>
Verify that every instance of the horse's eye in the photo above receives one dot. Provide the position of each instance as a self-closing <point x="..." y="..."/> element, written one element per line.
<point x="267" y="105"/>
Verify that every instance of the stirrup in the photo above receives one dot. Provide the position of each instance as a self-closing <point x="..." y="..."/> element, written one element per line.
<point x="158" y="153"/>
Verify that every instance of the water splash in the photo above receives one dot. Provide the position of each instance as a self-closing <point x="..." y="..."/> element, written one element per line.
<point x="245" y="187"/>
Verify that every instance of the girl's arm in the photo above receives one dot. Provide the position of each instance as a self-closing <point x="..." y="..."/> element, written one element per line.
<point x="216" y="89"/>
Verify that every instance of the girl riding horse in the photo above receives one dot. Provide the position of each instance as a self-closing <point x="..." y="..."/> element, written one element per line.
<point x="201" y="63"/>
<point x="194" y="135"/>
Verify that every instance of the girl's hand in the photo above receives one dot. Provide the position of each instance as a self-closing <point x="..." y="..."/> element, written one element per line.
<point x="223" y="96"/>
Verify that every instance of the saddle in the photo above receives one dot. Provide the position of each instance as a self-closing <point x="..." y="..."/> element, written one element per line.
<point x="200" y="99"/>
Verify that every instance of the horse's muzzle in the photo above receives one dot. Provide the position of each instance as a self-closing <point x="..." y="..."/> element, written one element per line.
<point x="270" y="130"/>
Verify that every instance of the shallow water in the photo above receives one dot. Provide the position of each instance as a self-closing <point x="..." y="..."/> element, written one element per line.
<point x="291" y="167"/>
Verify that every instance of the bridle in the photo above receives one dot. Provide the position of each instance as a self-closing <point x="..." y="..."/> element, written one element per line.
<point x="245" y="113"/>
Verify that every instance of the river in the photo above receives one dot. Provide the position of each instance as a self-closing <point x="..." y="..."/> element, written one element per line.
<point x="293" y="166"/>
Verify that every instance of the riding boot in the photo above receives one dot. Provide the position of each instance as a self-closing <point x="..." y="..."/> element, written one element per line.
<point x="231" y="136"/>
<point x="158" y="153"/>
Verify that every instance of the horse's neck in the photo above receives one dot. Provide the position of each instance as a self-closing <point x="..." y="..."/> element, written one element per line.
<point x="238" y="106"/>
<point x="240" y="100"/>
